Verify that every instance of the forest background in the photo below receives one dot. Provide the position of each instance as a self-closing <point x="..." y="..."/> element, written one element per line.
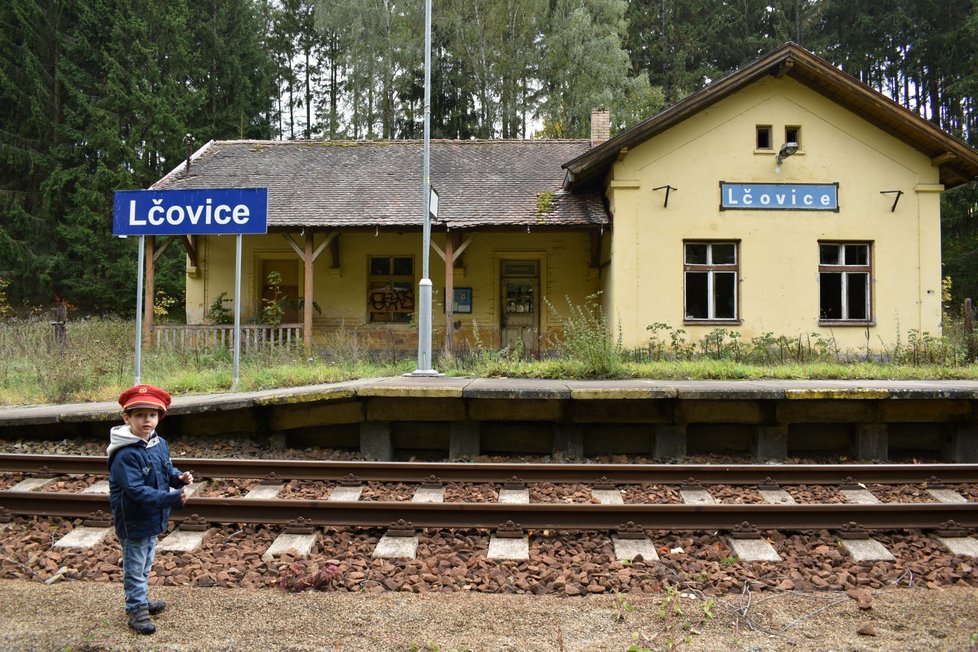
<point x="99" y="95"/>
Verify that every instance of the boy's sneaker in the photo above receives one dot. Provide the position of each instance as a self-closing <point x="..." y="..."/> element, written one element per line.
<point x="139" y="621"/>
<point x="155" y="606"/>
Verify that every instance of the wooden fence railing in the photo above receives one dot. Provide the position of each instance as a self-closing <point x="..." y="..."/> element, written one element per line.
<point x="254" y="337"/>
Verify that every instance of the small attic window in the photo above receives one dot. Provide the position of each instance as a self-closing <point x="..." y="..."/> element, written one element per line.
<point x="764" y="137"/>
<point x="792" y="135"/>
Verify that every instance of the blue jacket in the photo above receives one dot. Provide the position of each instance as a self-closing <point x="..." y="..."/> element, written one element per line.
<point x="140" y="481"/>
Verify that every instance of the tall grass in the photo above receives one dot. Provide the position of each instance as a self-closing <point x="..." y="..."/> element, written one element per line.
<point x="97" y="361"/>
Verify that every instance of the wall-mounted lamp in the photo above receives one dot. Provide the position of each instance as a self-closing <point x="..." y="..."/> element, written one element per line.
<point x="786" y="150"/>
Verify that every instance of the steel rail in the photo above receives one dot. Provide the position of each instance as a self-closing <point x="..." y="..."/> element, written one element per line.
<point x="731" y="474"/>
<point x="557" y="516"/>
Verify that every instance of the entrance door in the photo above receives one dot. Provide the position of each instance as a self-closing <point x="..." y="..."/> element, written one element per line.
<point x="520" y="285"/>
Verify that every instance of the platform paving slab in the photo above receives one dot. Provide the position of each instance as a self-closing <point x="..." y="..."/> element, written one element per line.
<point x="776" y="496"/>
<point x="608" y="496"/>
<point x="396" y="548"/>
<point x="429" y="495"/>
<point x="514" y="496"/>
<point x="866" y="550"/>
<point x="947" y="496"/>
<point x="697" y="497"/>
<point x="265" y="491"/>
<point x="297" y="545"/>
<point x="345" y="494"/>
<point x="629" y="549"/>
<point x="184" y="540"/>
<point x="100" y="487"/>
<point x="965" y="546"/>
<point x="506" y="548"/>
<point x="83" y="537"/>
<point x="859" y="496"/>
<point x="753" y="549"/>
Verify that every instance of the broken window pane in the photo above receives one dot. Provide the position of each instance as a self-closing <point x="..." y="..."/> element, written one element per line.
<point x="724" y="295"/>
<point x="696" y="254"/>
<point x="697" y="295"/>
<point x="830" y="291"/>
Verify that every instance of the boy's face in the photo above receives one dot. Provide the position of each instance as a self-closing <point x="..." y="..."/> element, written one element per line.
<point x="142" y="421"/>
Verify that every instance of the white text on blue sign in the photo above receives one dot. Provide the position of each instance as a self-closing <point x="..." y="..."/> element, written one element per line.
<point x="190" y="212"/>
<point x="779" y="196"/>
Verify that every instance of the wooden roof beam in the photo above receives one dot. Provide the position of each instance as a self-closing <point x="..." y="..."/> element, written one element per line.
<point x="941" y="159"/>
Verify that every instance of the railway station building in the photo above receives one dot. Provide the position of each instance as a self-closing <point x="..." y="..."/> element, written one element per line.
<point x="786" y="198"/>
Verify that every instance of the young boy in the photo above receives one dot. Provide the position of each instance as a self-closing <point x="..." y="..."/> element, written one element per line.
<point x="140" y="480"/>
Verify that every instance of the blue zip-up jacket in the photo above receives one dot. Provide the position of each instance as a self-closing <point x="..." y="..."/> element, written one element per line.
<point x="140" y="480"/>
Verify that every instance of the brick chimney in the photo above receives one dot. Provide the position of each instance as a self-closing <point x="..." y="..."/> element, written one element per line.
<point x="600" y="126"/>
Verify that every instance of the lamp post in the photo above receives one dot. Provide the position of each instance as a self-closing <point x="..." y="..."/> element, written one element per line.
<point x="424" y="287"/>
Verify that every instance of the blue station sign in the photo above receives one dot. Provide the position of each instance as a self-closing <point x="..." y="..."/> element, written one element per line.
<point x="779" y="196"/>
<point x="190" y="212"/>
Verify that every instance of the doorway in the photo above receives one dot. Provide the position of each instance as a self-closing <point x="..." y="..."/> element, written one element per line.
<point x="288" y="289"/>
<point x="520" y="319"/>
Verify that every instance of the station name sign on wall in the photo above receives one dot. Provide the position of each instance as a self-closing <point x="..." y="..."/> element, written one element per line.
<point x="779" y="196"/>
<point x="211" y="211"/>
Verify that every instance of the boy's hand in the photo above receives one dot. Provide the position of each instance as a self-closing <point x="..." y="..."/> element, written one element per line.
<point x="186" y="477"/>
<point x="184" y="496"/>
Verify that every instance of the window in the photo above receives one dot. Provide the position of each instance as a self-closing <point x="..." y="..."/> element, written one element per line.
<point x="711" y="271"/>
<point x="764" y="137"/>
<point x="793" y="135"/>
<point x="844" y="274"/>
<point x="390" y="291"/>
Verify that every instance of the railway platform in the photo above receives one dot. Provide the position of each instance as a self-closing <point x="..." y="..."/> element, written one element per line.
<point x="384" y="418"/>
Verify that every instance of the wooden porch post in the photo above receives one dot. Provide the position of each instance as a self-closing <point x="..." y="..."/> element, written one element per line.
<point x="308" y="260"/>
<point x="449" y="290"/>
<point x="148" y="294"/>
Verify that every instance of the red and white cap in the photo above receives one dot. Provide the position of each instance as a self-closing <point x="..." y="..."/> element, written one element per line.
<point x="144" y="396"/>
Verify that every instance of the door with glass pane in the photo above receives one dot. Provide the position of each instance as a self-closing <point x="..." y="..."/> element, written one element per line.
<point x="520" y="300"/>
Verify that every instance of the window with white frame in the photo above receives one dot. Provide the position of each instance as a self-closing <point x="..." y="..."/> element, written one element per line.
<point x="711" y="271"/>
<point x="844" y="280"/>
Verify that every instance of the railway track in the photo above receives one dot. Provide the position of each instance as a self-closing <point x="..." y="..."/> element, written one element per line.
<point x="730" y="474"/>
<point x="556" y="516"/>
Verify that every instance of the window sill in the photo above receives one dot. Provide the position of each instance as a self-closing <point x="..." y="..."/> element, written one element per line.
<point x="846" y="322"/>
<point x="713" y="322"/>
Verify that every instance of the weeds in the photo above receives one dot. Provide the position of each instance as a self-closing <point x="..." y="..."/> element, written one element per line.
<point x="676" y="627"/>
<point x="96" y="361"/>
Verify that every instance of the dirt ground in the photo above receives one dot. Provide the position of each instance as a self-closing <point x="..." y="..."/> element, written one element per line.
<point x="70" y="616"/>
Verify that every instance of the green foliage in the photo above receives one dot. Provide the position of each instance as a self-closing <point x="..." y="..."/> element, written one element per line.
<point x="4" y="302"/>
<point x="219" y="313"/>
<point x="273" y="307"/>
<point x="586" y="338"/>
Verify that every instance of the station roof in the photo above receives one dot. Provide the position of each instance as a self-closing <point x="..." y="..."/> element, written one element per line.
<point x="957" y="161"/>
<point x="369" y="184"/>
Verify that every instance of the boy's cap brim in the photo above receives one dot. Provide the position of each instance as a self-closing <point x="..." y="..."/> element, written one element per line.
<point x="146" y="397"/>
<point x="143" y="404"/>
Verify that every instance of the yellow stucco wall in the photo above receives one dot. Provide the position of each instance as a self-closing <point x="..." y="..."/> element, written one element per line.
<point x="564" y="264"/>
<point x="779" y="281"/>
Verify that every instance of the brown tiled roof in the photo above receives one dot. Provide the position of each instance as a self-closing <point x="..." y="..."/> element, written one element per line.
<point x="329" y="184"/>
<point x="957" y="161"/>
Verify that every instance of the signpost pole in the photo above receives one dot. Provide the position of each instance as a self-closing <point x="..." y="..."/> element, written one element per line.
<point x="139" y="309"/>
<point x="237" y="312"/>
<point x="424" y="287"/>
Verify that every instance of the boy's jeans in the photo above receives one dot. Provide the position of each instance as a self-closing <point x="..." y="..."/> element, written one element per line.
<point x="137" y="560"/>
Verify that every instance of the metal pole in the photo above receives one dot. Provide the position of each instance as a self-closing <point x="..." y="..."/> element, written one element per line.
<point x="139" y="309"/>
<point x="237" y="312"/>
<point x="424" y="287"/>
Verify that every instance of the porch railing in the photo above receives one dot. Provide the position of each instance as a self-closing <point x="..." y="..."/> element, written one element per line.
<point x="254" y="337"/>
